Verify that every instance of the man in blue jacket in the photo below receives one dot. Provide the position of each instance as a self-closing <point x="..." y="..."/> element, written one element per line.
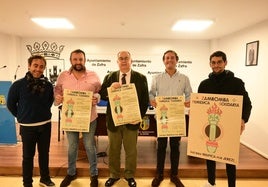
<point x="29" y="100"/>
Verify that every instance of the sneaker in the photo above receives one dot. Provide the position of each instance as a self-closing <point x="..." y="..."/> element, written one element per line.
<point x="47" y="183"/>
<point x="94" y="181"/>
<point x="157" y="180"/>
<point x="67" y="180"/>
<point x="176" y="181"/>
<point x="209" y="185"/>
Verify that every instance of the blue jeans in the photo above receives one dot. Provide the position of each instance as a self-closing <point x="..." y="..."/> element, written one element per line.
<point x="90" y="147"/>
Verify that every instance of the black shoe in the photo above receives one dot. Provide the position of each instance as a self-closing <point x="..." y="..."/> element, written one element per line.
<point x="111" y="181"/>
<point x="67" y="180"/>
<point x="131" y="182"/>
<point x="157" y="180"/>
<point x="176" y="181"/>
<point x="25" y="185"/>
<point x="94" y="181"/>
<point x="46" y="183"/>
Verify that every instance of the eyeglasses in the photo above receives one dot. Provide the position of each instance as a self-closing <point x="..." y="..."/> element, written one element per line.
<point x="216" y="62"/>
<point x="123" y="58"/>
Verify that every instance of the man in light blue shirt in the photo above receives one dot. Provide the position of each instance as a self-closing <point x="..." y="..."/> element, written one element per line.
<point x="169" y="83"/>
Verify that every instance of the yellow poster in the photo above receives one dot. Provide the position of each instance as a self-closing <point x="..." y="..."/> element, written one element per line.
<point x="214" y="127"/>
<point x="76" y="110"/>
<point x="124" y="104"/>
<point x="170" y="116"/>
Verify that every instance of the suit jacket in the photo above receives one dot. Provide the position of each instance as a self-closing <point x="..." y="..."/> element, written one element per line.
<point x="140" y="82"/>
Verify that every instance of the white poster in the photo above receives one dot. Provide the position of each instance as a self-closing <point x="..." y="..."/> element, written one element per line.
<point x="214" y="127"/>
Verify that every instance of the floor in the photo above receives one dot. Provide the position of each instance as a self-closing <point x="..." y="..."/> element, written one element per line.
<point x="141" y="182"/>
<point x="251" y="171"/>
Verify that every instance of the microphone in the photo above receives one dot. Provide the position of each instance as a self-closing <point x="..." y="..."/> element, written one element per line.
<point x="3" y="67"/>
<point x="15" y="76"/>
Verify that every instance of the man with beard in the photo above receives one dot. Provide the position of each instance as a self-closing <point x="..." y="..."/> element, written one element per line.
<point x="222" y="81"/>
<point x="78" y="78"/>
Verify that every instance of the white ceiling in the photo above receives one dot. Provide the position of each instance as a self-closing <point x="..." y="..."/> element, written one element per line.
<point x="130" y="18"/>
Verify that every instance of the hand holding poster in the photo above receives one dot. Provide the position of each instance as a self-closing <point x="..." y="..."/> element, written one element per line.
<point x="214" y="127"/>
<point x="170" y="116"/>
<point x="124" y="103"/>
<point x="76" y="110"/>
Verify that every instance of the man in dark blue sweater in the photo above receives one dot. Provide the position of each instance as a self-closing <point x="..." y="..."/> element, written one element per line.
<point x="29" y="100"/>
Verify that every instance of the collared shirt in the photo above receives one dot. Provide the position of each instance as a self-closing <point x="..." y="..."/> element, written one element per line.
<point x="88" y="82"/>
<point x="127" y="77"/>
<point x="165" y="85"/>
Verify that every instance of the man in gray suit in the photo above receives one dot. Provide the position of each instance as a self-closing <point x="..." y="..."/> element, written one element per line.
<point x="128" y="133"/>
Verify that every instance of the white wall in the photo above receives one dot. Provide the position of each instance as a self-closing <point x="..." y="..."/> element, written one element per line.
<point x="196" y="51"/>
<point x="9" y="56"/>
<point x="13" y="52"/>
<point x="193" y="50"/>
<point x="255" y="78"/>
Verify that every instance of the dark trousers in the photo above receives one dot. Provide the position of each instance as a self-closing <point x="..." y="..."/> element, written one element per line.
<point x="230" y="170"/>
<point x="174" y="143"/>
<point x="32" y="136"/>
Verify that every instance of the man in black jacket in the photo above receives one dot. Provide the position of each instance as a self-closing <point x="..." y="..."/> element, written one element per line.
<point x="222" y="81"/>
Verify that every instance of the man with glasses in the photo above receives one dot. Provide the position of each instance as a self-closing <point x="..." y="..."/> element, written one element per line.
<point x="128" y="133"/>
<point x="223" y="81"/>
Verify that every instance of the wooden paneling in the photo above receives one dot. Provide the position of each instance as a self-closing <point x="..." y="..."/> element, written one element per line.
<point x="251" y="165"/>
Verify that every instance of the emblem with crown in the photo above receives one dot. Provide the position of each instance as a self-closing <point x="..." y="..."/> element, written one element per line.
<point x="50" y="52"/>
<point x="45" y="49"/>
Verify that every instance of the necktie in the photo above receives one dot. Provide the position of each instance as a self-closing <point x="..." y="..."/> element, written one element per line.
<point x="123" y="79"/>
